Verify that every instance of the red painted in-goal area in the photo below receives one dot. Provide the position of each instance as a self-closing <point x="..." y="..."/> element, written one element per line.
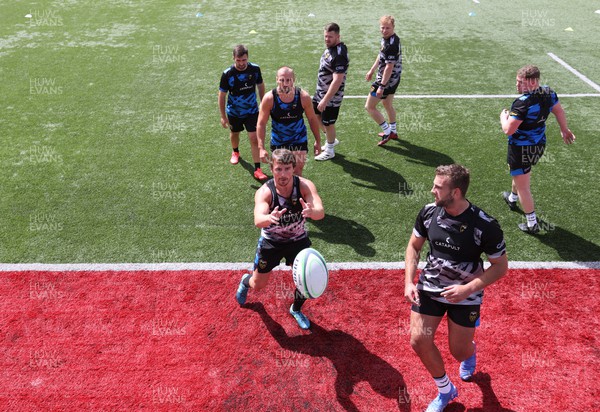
<point x="177" y="340"/>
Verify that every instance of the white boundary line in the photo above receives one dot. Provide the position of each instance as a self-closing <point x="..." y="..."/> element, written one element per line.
<point x="471" y="96"/>
<point x="224" y="266"/>
<point x="575" y="72"/>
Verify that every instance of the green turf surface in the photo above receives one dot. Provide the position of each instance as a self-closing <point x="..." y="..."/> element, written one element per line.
<point x="112" y="149"/>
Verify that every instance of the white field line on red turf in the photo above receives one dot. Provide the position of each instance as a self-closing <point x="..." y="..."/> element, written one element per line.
<point x="224" y="266"/>
<point x="575" y="72"/>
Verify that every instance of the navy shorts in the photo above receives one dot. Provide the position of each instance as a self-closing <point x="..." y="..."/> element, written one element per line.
<point x="237" y="124"/>
<point x="522" y="158"/>
<point x="463" y="315"/>
<point x="270" y="253"/>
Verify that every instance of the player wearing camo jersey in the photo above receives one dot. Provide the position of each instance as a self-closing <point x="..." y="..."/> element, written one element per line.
<point x="453" y="278"/>
<point x="330" y="86"/>
<point x="389" y="70"/>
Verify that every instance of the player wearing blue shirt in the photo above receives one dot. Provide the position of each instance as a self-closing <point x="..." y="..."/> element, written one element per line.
<point x="238" y="86"/>
<point x="525" y="126"/>
<point x="286" y="105"/>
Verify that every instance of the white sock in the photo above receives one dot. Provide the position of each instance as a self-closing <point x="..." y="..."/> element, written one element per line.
<point x="513" y="197"/>
<point x="393" y="127"/>
<point x="385" y="127"/>
<point x="443" y="384"/>
<point x="531" y="219"/>
<point x="329" y="147"/>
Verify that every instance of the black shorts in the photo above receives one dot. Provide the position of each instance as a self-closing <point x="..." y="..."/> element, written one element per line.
<point x="521" y="158"/>
<point x="463" y="315"/>
<point x="237" y="124"/>
<point x="386" y="92"/>
<point x="329" y="115"/>
<point x="293" y="147"/>
<point x="269" y="253"/>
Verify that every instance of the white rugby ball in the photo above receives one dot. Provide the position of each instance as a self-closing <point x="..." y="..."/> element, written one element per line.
<point x="310" y="273"/>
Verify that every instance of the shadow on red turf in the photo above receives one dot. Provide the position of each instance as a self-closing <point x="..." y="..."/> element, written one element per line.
<point x="490" y="400"/>
<point x="352" y="361"/>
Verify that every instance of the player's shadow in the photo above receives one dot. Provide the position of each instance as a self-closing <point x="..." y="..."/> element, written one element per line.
<point x="490" y="400"/>
<point x="378" y="177"/>
<point x="569" y="246"/>
<point x="250" y="168"/>
<point x="418" y="154"/>
<point x="351" y="360"/>
<point x="336" y="230"/>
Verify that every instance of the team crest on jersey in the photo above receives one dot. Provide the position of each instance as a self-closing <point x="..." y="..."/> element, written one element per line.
<point x="262" y="264"/>
<point x="473" y="316"/>
<point x="463" y="228"/>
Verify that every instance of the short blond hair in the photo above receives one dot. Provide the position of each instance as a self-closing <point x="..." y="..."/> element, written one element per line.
<point x="388" y="19"/>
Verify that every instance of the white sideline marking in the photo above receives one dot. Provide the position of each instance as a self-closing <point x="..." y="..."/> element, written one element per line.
<point x="575" y="72"/>
<point x="471" y="96"/>
<point x="224" y="266"/>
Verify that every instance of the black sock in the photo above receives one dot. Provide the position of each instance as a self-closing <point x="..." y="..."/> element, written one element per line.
<point x="235" y="149"/>
<point x="298" y="301"/>
<point x="256" y="166"/>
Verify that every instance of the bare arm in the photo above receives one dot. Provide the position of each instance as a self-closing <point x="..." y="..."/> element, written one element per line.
<point x="262" y="204"/>
<point x="509" y="124"/>
<point x="222" y="98"/>
<point x="561" y="118"/>
<point x="261" y="91"/>
<point x="411" y="262"/>
<point x="312" y="206"/>
<point x="313" y="120"/>
<point x="264" y="112"/>
<point x="369" y="75"/>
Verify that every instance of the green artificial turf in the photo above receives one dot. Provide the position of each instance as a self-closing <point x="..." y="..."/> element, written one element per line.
<point x="112" y="149"/>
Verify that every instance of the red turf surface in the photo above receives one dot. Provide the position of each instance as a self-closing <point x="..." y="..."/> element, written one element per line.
<point x="178" y="341"/>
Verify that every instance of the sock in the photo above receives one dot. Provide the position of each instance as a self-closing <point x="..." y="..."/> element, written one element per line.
<point x="246" y="281"/>
<point x="235" y="149"/>
<point x="298" y="301"/>
<point x="329" y="147"/>
<point x="513" y="197"/>
<point x="443" y="384"/>
<point x="385" y="127"/>
<point x="531" y="219"/>
<point x="256" y="166"/>
<point x="393" y="127"/>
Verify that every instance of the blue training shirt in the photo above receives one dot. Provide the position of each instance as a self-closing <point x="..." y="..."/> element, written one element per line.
<point x="533" y="110"/>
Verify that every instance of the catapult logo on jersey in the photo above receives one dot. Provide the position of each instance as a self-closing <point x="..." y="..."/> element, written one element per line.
<point x="447" y="244"/>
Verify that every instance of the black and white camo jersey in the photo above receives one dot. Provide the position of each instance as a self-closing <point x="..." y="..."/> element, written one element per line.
<point x="292" y="225"/>
<point x="455" y="247"/>
<point x="390" y="52"/>
<point x="334" y="60"/>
